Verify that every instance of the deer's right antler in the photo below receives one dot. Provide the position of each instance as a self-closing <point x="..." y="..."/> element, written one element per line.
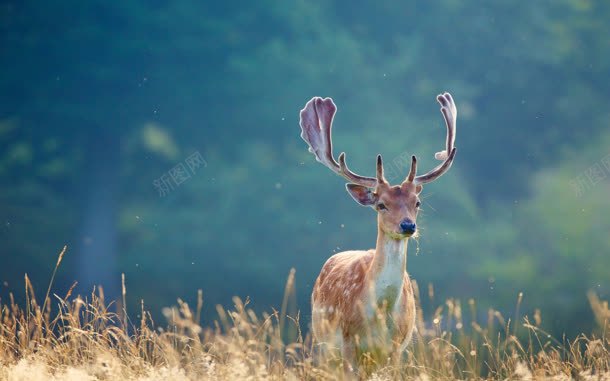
<point x="316" y="124"/>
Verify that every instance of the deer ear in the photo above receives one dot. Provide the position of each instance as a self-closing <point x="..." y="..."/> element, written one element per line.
<point x="363" y="195"/>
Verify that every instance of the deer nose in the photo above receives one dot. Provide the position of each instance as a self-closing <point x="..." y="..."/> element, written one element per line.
<point x="407" y="227"/>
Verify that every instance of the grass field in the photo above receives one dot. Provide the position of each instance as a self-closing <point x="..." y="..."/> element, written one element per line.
<point x="84" y="339"/>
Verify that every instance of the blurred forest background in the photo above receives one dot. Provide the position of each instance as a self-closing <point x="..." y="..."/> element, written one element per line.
<point x="102" y="103"/>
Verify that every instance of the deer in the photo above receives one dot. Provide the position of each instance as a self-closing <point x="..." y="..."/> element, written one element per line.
<point x="356" y="288"/>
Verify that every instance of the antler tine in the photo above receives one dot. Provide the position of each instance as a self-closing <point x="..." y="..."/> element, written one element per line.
<point x="449" y="112"/>
<point x="353" y="177"/>
<point x="316" y="124"/>
<point x="380" y="172"/>
<point x="413" y="169"/>
<point x="438" y="171"/>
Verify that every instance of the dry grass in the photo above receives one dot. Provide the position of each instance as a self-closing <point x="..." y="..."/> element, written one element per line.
<point x="84" y="340"/>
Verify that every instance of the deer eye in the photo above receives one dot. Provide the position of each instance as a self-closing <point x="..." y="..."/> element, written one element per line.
<point x="417" y="204"/>
<point x="381" y="206"/>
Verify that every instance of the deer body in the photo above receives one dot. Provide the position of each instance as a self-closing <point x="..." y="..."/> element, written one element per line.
<point x="365" y="298"/>
<point x="368" y="280"/>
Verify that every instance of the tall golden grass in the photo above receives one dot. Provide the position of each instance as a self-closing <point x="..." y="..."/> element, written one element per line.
<point x="83" y="338"/>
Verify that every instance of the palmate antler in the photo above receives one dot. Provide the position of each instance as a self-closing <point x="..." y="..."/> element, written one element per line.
<point x="316" y="126"/>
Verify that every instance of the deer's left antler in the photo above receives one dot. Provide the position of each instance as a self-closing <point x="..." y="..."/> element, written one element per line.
<point x="449" y="112"/>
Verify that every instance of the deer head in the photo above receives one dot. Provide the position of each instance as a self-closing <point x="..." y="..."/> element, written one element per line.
<point x="397" y="206"/>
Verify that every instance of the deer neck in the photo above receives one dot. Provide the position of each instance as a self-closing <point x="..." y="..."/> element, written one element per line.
<point x="386" y="273"/>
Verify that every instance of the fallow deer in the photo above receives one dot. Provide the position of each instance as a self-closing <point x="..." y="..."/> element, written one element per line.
<point x="354" y="286"/>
